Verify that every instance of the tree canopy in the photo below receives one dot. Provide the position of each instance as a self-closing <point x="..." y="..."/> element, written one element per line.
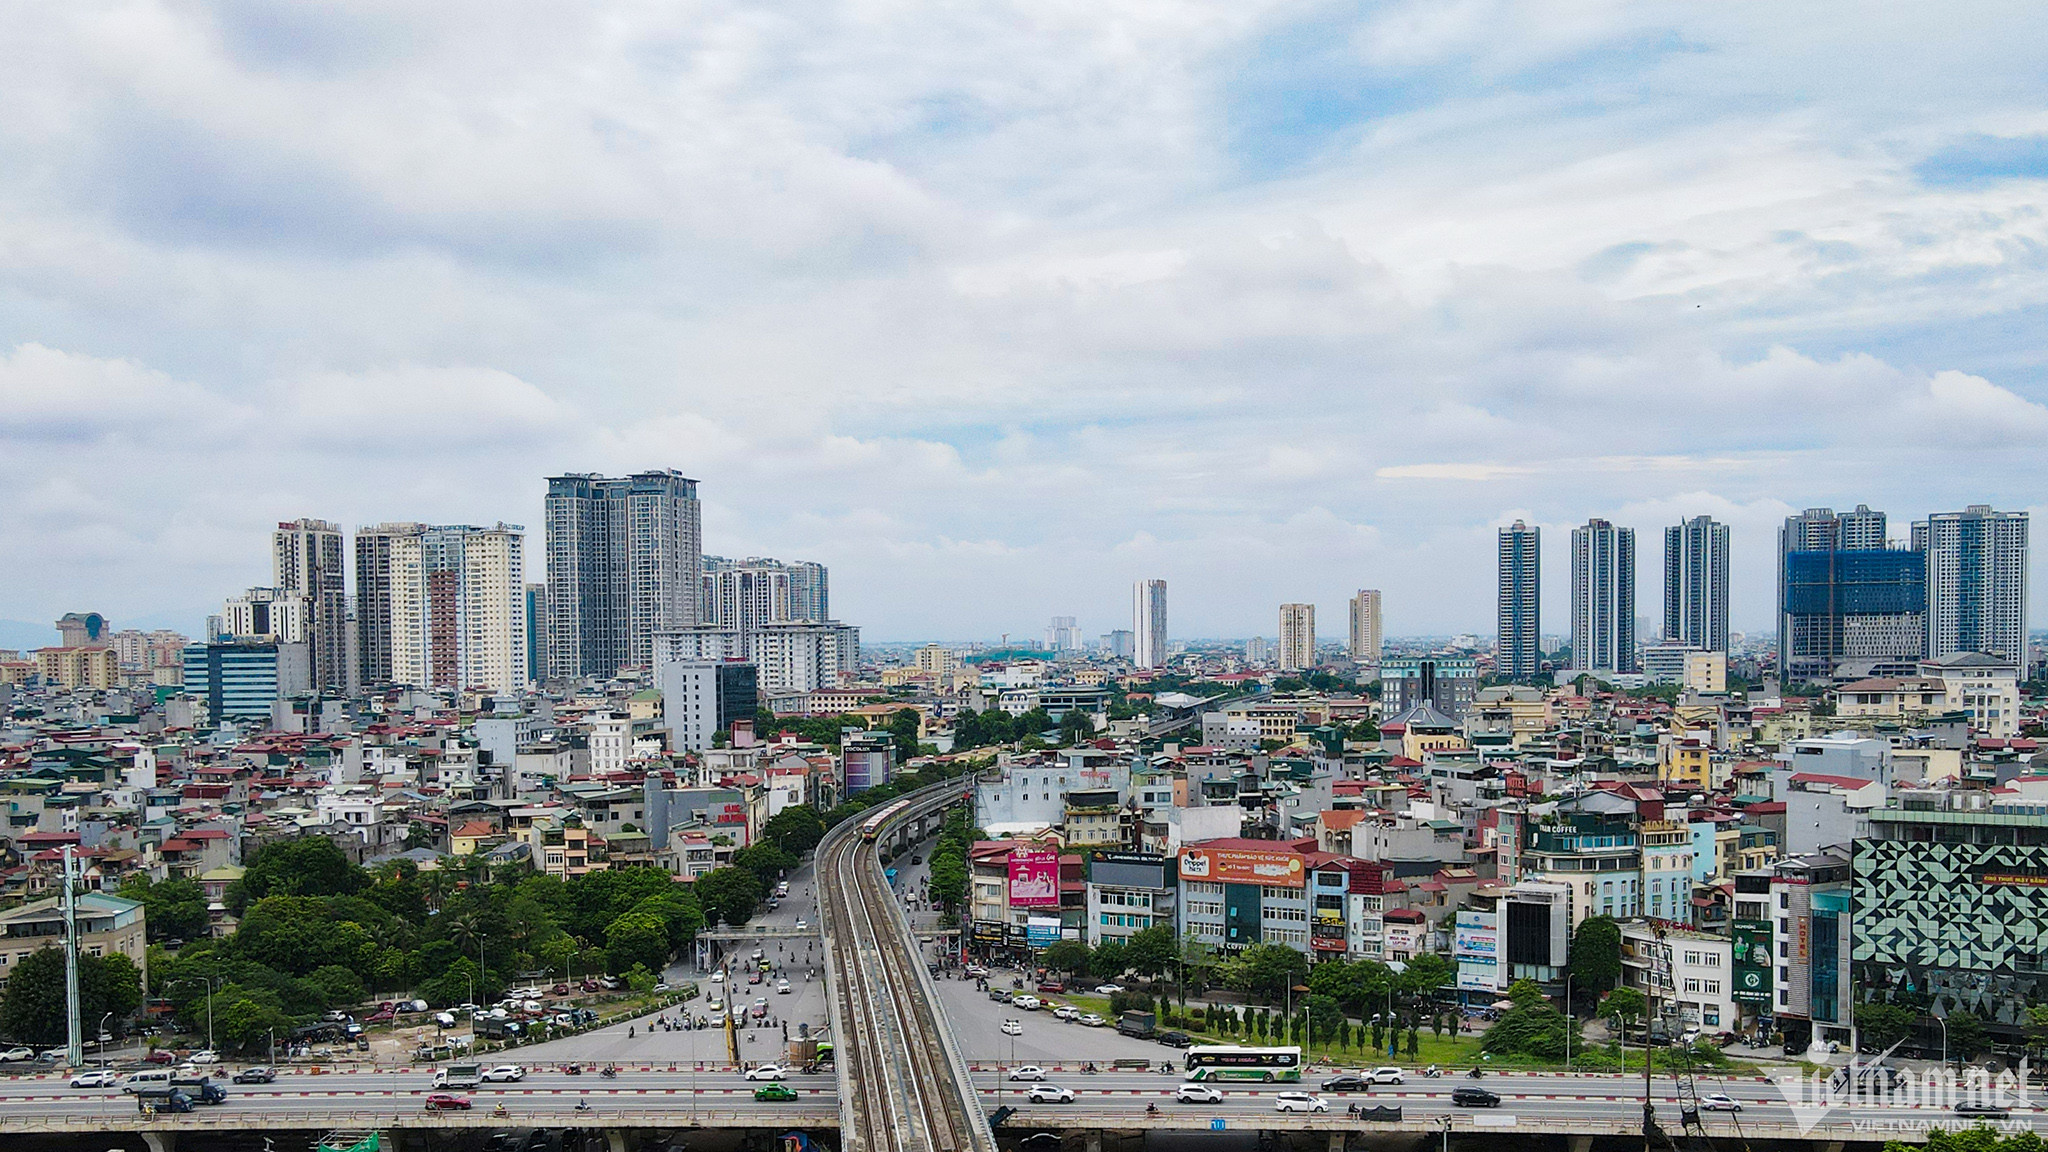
<point x="1595" y="956"/>
<point x="32" y="1009"/>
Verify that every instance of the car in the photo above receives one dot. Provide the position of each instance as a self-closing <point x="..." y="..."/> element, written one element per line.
<point x="1012" y="1028"/>
<point x="977" y="970"/>
<point x="97" y="1078"/>
<point x="1027" y="1072"/>
<point x="1066" y="1011"/>
<point x="800" y="924"/>
<point x="592" y="985"/>
<point x="156" y="1056"/>
<point x="1174" y="1038"/>
<point x="447" y="1102"/>
<point x="767" y="1072"/>
<point x="1050" y="1094"/>
<point x="503" y="1074"/>
<point x="1197" y="1094"/>
<point x="18" y="1052"/>
<point x="1470" y="1097"/>
<point x="1348" y="1082"/>
<point x="718" y="977"/>
<point x="715" y="1020"/>
<point x="661" y="987"/>
<point x="999" y="995"/>
<point x="1386" y="1074"/>
<point x="203" y="1056"/>
<point x="1091" y="1020"/>
<point x="1300" y="1102"/>
<point x="1720" y="1102"/>
<point x="256" y="1074"/>
<point x="1028" y="1003"/>
<point x="1982" y="1108"/>
<point x="1108" y="989"/>
<point x="1053" y="987"/>
<point x="754" y="977"/>
<point x="782" y="988"/>
<point x="777" y="1091"/>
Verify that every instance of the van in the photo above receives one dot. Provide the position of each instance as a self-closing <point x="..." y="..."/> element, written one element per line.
<point x="158" y="1078"/>
<point x="445" y="1019"/>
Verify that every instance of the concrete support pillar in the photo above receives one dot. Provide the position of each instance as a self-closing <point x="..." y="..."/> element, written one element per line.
<point x="1580" y="1143"/>
<point x="1336" y="1142"/>
<point x="615" y="1139"/>
<point x="1827" y="1146"/>
<point x="1091" y="1141"/>
<point x="161" y="1141"/>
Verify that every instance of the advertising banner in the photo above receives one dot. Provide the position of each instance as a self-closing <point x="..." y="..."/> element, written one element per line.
<point x="1040" y="931"/>
<point x="1271" y="868"/>
<point x="1034" y="878"/>
<point x="1752" y="956"/>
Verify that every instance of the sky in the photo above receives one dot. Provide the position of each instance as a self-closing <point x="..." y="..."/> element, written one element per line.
<point x="996" y="308"/>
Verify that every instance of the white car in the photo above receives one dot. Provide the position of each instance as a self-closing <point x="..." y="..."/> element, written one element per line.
<point x="204" y="1056"/>
<point x="1720" y="1102"/>
<point x="1028" y="1003"/>
<point x="1012" y="1028"/>
<point x="1067" y="1012"/>
<point x="1091" y="1020"/>
<point x="661" y="987"/>
<point x="97" y="1078"/>
<point x="1197" y="1094"/>
<point x="1385" y="1075"/>
<point x="976" y="970"/>
<point x="718" y="977"/>
<point x="18" y="1053"/>
<point x="1108" y="989"/>
<point x="1028" y="1072"/>
<point x="800" y="924"/>
<point x="782" y="987"/>
<point x="1300" y="1102"/>
<point x="767" y="1072"/>
<point x="504" y="1074"/>
<point x="1049" y="1094"/>
<point x="715" y="1020"/>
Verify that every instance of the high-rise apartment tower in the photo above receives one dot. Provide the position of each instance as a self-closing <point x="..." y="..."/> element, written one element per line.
<point x="1519" y="652"/>
<point x="1365" y="627"/>
<point x="1976" y="582"/>
<point x="1148" y="623"/>
<point x="624" y="562"/>
<point x="309" y="560"/>
<point x="1297" y="637"/>
<point x="1604" y="597"/>
<point x="1696" y="584"/>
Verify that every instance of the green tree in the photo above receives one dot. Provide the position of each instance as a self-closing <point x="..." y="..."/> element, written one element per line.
<point x="1965" y="1035"/>
<point x="121" y="982"/>
<point x="1425" y="974"/>
<point x="1414" y="1041"/>
<point x="796" y="829"/>
<point x="1595" y="956"/>
<point x="728" y="894"/>
<point x="1624" y="1005"/>
<point x="1324" y="1015"/>
<point x="173" y="909"/>
<point x="1271" y="969"/>
<point x="1976" y="1139"/>
<point x="1076" y="727"/>
<point x="903" y="728"/>
<point x="338" y="987"/>
<point x="1150" y="951"/>
<point x="637" y="939"/>
<point x="32" y="1007"/>
<point x="1379" y="1034"/>
<point x="1110" y="959"/>
<point x="300" y="866"/>
<point x="1883" y="1025"/>
<point x="1533" y="1027"/>
<point x="1524" y="992"/>
<point x="1068" y="956"/>
<point x="766" y="861"/>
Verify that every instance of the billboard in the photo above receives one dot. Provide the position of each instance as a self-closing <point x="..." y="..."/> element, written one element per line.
<point x="1127" y="869"/>
<point x="1034" y="878"/>
<point x="1040" y="931"/>
<point x="1270" y="868"/>
<point x="1476" y="946"/>
<point x="1752" y="956"/>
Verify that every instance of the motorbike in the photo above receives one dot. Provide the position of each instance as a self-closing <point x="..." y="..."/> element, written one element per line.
<point x="1089" y="1068"/>
<point x="583" y="1105"/>
<point x="572" y="1069"/>
<point x="1474" y="1074"/>
<point x="1151" y="1109"/>
<point x="1432" y="1072"/>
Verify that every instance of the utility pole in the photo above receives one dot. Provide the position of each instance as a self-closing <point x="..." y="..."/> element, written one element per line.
<point x="75" y="1050"/>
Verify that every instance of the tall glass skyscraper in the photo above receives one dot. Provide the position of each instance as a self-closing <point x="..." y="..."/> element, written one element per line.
<point x="1844" y="596"/>
<point x="1519" y="651"/>
<point x="1696" y="584"/>
<point x="1148" y="623"/>
<point x="1976" y="582"/>
<point x="1604" y="597"/>
<point x="625" y="559"/>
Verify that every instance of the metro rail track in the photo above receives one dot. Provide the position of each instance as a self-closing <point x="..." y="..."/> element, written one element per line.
<point x="900" y="1090"/>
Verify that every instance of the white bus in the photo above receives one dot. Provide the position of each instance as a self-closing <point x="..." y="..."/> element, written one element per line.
<point x="1235" y="1062"/>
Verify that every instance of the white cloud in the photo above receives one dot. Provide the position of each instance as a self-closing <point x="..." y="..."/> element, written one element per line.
<point x="997" y="308"/>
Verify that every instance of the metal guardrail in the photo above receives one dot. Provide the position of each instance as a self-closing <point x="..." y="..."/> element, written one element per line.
<point x="216" y="1119"/>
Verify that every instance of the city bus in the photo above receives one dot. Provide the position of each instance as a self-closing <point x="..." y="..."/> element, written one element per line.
<point x="1235" y="1062"/>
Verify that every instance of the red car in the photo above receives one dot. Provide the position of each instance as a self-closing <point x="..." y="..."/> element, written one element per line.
<point x="160" y="1056"/>
<point x="559" y="990"/>
<point x="380" y="1016"/>
<point x="590" y="985"/>
<point x="446" y="1102"/>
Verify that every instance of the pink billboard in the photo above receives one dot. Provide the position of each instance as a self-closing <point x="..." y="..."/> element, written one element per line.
<point x="1034" y="878"/>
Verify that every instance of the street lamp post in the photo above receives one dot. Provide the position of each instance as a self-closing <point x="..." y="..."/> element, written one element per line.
<point x="208" y="981"/>
<point x="100" y="1037"/>
<point x="1944" y="1041"/>
<point x="1567" y="1020"/>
